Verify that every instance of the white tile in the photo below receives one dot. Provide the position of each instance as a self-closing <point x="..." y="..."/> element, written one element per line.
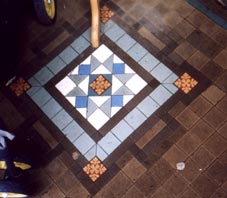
<point x="136" y="84"/>
<point x="75" y="71"/>
<point x="101" y="70"/>
<point x="126" y="99"/>
<point x="99" y="100"/>
<point x="98" y="119"/>
<point x="102" y="53"/>
<point x="72" y="100"/>
<point x="91" y="153"/>
<point x="109" y="143"/>
<point x="122" y="130"/>
<point x="114" y="110"/>
<point x="101" y="154"/>
<point x="87" y="61"/>
<point x="129" y="70"/>
<point x="84" y="143"/>
<point x="116" y="59"/>
<point x="84" y="85"/>
<point x="148" y="106"/>
<point x="116" y="84"/>
<point x="83" y="111"/>
<point x="160" y="95"/>
<point x="65" y="86"/>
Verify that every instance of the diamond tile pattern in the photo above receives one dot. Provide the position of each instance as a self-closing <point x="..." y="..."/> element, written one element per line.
<point x="186" y="83"/>
<point x="100" y="86"/>
<point x="94" y="169"/>
<point x="105" y="14"/>
<point x="19" y="86"/>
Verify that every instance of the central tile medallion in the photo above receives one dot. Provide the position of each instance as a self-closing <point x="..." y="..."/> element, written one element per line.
<point x="100" y="86"/>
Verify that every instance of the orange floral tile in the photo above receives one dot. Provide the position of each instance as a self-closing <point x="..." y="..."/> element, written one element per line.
<point x="94" y="169"/>
<point x="186" y="83"/>
<point x="19" y="86"/>
<point x="105" y="14"/>
<point x="100" y="85"/>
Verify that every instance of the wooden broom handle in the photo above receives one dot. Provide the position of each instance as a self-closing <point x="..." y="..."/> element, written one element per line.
<point x="95" y="23"/>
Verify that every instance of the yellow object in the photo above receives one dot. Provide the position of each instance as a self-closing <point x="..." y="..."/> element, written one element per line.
<point x="95" y="23"/>
<point x="50" y="8"/>
<point x="21" y="165"/>
<point x="8" y="194"/>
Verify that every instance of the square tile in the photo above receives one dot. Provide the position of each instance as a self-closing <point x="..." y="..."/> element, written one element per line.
<point x="160" y="95"/>
<point x="126" y="42"/>
<point x="105" y="14"/>
<point x="186" y="83"/>
<point x="44" y="75"/>
<point x="148" y="62"/>
<point x="137" y="52"/>
<point x="80" y="44"/>
<point x="41" y="97"/>
<point x="94" y="169"/>
<point x="68" y="55"/>
<point x="161" y="72"/>
<point x="19" y="86"/>
<point x="56" y="65"/>
<point x="61" y="119"/>
<point x="51" y="108"/>
<point x="115" y="33"/>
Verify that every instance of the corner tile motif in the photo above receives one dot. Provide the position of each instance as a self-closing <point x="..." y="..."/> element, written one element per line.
<point x="19" y="86"/>
<point x="186" y="83"/>
<point x="94" y="169"/>
<point x="105" y="14"/>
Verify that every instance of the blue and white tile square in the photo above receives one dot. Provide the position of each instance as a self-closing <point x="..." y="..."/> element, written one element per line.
<point x="100" y="86"/>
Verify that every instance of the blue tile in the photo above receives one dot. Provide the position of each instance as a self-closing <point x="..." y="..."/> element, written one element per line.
<point x="84" y="69"/>
<point x="87" y="34"/>
<point x="225" y="25"/>
<point x="148" y="62"/>
<point x="84" y="143"/>
<point x="105" y="27"/>
<point x="33" y="82"/>
<point x="33" y="90"/>
<point x="115" y="33"/>
<point x="122" y="130"/>
<point x="126" y="42"/>
<point x="62" y="119"/>
<point x="135" y="118"/>
<point x="118" y="68"/>
<point x="172" y="88"/>
<point x="198" y="5"/>
<point x="148" y="106"/>
<point x="44" y="75"/>
<point x="220" y="21"/>
<point x="101" y="154"/>
<point x="80" y="44"/>
<point x="56" y="65"/>
<point x="73" y="131"/>
<point x="68" y="55"/>
<point x="160" y="95"/>
<point x="137" y="52"/>
<point x="51" y="108"/>
<point x="41" y="97"/>
<point x="116" y="101"/>
<point x="81" y="101"/>
<point x="161" y="72"/>
<point x="109" y="143"/>
<point x="91" y="153"/>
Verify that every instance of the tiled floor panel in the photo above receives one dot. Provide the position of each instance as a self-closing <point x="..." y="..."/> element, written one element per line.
<point x="113" y="122"/>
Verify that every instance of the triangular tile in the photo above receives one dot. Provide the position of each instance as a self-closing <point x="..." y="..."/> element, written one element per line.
<point x="114" y="110"/>
<point x="106" y="108"/>
<point x="91" y="107"/>
<point x="127" y="98"/>
<point x="75" y="71"/>
<point x="124" y="77"/>
<point x="83" y="111"/>
<point x="76" y="92"/>
<point x="72" y="100"/>
<point x="116" y="84"/>
<point x="123" y="91"/>
<point x="84" y="85"/>
<point x="116" y="59"/>
<point x="87" y="61"/>
<point x="77" y="79"/>
<point x="99" y="100"/>
<point x="128" y="70"/>
<point x="94" y="63"/>
<point x="109" y="63"/>
<point x="101" y="70"/>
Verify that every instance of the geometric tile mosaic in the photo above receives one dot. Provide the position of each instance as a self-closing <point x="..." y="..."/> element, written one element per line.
<point x="100" y="86"/>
